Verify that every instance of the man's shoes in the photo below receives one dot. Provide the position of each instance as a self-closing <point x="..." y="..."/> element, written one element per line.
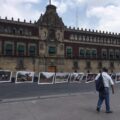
<point x="109" y="111"/>
<point x="98" y="109"/>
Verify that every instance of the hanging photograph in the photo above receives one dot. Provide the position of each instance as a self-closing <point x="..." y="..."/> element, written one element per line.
<point x="5" y="76"/>
<point x="113" y="76"/>
<point x="76" y="77"/>
<point x="90" y="77"/>
<point x="61" y="77"/>
<point x="117" y="80"/>
<point x="24" y="77"/>
<point x="46" y="78"/>
<point x="84" y="77"/>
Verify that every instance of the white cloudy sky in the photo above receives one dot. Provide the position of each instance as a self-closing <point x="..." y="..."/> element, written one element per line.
<point x="93" y="14"/>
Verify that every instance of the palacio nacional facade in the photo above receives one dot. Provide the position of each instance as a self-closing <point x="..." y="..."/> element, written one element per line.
<point x="49" y="45"/>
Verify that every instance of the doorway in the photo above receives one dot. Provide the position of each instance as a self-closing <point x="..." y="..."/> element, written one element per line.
<point x="51" y="68"/>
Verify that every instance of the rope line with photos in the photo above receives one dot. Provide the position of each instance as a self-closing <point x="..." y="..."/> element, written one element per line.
<point x="50" y="77"/>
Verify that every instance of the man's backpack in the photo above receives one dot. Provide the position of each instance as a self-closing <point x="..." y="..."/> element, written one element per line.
<point x="100" y="84"/>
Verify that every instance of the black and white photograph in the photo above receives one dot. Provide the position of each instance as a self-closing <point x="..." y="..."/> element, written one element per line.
<point x="76" y="77"/>
<point x="90" y="77"/>
<point x="5" y="76"/>
<point x="61" y="77"/>
<point x="117" y="79"/>
<point x="46" y="78"/>
<point x="113" y="76"/>
<point x="24" y="77"/>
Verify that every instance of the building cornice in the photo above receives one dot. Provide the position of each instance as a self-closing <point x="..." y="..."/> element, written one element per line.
<point x="91" y="32"/>
<point x="20" y="37"/>
<point x="24" y="23"/>
<point x="89" y="44"/>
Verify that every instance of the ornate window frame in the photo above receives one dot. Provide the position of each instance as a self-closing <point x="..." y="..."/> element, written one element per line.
<point x="21" y="52"/>
<point x="69" y="47"/>
<point x="93" y="54"/>
<point x="6" y="49"/>
<point x="80" y="49"/>
<point x="32" y="52"/>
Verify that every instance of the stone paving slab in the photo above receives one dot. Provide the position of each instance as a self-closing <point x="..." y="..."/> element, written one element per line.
<point x="78" y="106"/>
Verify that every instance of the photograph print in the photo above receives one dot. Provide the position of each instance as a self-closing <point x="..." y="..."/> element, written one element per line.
<point x="117" y="80"/>
<point x="90" y="77"/>
<point x="46" y="78"/>
<point x="24" y="77"/>
<point x="5" y="76"/>
<point x="61" y="77"/>
<point x="113" y="76"/>
<point x="76" y="77"/>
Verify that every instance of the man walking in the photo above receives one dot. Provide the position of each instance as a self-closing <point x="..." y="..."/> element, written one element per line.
<point x="104" y="95"/>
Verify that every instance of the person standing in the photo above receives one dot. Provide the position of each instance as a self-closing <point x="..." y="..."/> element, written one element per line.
<point x="104" y="95"/>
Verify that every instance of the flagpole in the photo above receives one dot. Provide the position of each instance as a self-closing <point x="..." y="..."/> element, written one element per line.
<point x="50" y="2"/>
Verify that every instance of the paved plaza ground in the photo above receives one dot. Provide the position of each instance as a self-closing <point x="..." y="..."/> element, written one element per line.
<point x="69" y="106"/>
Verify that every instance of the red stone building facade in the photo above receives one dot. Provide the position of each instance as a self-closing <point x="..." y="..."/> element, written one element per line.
<point x="48" y="45"/>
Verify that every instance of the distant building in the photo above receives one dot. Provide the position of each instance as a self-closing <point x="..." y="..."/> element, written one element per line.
<point x="48" y="45"/>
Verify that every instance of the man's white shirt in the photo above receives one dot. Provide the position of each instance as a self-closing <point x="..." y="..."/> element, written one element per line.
<point x="107" y="80"/>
